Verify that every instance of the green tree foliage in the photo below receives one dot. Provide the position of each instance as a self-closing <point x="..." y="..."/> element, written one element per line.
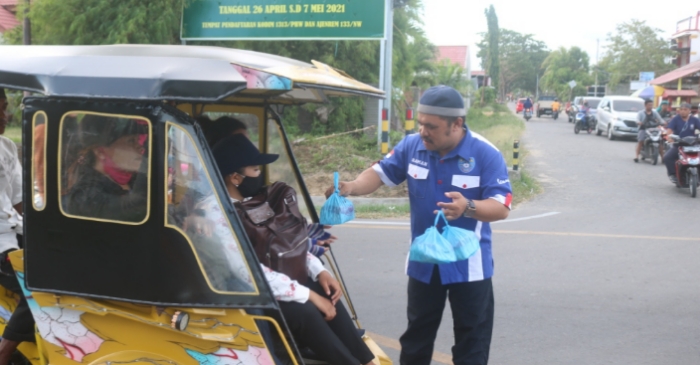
<point x="90" y="22"/>
<point x="562" y="66"/>
<point x="492" y="66"/>
<point x="521" y="56"/>
<point x="87" y="22"/>
<point x="635" y="47"/>
<point x="451" y="74"/>
<point x="487" y="94"/>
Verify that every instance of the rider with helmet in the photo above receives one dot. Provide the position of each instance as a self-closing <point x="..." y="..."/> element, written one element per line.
<point x="527" y="105"/>
<point x="556" y="105"/>
<point x="682" y="125"/>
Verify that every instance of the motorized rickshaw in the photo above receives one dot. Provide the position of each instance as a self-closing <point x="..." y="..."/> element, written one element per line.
<point x="131" y="283"/>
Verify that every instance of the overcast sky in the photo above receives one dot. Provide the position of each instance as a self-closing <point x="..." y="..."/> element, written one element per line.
<point x="557" y="23"/>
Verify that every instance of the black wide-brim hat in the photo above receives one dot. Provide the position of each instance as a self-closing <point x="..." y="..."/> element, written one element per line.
<point x="236" y="152"/>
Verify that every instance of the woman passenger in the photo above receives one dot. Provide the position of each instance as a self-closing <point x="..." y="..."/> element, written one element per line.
<point x="312" y="310"/>
<point x="107" y="179"/>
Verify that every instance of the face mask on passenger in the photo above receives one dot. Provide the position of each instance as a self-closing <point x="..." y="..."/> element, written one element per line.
<point x="250" y="186"/>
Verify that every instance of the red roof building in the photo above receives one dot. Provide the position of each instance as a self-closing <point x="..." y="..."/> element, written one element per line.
<point x="455" y="54"/>
<point x="8" y="19"/>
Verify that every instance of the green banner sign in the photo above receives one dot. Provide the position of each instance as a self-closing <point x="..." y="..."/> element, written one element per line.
<point x="283" y="19"/>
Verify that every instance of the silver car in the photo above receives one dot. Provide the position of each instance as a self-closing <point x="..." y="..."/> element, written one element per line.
<point x="617" y="116"/>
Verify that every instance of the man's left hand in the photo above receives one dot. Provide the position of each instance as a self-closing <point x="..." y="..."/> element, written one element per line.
<point x="330" y="286"/>
<point x="455" y="209"/>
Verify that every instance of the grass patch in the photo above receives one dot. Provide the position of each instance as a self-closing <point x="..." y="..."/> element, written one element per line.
<point x="524" y="187"/>
<point x="373" y="211"/>
<point x="502" y="128"/>
<point x="14" y="133"/>
<point x="351" y="154"/>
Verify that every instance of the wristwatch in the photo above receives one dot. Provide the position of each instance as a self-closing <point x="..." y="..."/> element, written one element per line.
<point x="471" y="209"/>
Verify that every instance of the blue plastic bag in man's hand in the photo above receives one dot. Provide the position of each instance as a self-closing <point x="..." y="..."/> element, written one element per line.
<point x="337" y="209"/>
<point x="464" y="242"/>
<point x="431" y="247"/>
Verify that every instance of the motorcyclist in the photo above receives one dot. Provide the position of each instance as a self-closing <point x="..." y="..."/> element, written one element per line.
<point x="527" y="105"/>
<point x="556" y="106"/>
<point x="664" y="110"/>
<point x="682" y="125"/>
<point x="585" y="109"/>
<point x="647" y="118"/>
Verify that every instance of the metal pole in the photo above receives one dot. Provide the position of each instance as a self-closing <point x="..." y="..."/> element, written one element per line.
<point x="381" y="87"/>
<point x="516" y="154"/>
<point x="385" y="131"/>
<point x="410" y="123"/>
<point x="27" y="34"/>
<point x="597" y="45"/>
<point x="388" y="59"/>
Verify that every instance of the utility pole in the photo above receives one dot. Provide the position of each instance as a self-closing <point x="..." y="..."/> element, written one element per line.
<point x="597" y="45"/>
<point x="27" y="34"/>
<point x="385" y="67"/>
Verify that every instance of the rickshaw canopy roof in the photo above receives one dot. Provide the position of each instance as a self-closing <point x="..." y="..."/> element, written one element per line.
<point x="171" y="72"/>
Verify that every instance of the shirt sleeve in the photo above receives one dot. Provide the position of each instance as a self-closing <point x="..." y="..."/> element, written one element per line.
<point x="314" y="266"/>
<point x="495" y="181"/>
<point x="658" y="117"/>
<point x="392" y="169"/>
<point x="16" y="177"/>
<point x="284" y="288"/>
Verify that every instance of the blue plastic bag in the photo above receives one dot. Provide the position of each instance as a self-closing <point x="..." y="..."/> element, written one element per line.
<point x="337" y="209"/>
<point x="431" y="247"/>
<point x="464" y="242"/>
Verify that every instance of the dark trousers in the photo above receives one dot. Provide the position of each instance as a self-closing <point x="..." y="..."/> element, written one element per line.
<point x="472" y="307"/>
<point x="670" y="159"/>
<point x="336" y="341"/>
<point x="20" y="327"/>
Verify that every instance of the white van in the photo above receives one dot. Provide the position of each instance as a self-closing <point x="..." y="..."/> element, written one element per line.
<point x="617" y="116"/>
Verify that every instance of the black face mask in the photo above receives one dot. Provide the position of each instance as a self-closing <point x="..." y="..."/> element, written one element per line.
<point x="250" y="186"/>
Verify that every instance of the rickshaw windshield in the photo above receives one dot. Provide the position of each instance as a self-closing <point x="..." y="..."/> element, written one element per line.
<point x="195" y="210"/>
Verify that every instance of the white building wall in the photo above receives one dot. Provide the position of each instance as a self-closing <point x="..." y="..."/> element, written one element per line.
<point x="695" y="46"/>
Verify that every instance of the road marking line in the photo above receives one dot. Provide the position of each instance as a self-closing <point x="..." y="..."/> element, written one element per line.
<point x="380" y="223"/>
<point x="572" y="234"/>
<point x="602" y="235"/>
<point x="528" y="218"/>
<point x="395" y="345"/>
<point x="407" y="224"/>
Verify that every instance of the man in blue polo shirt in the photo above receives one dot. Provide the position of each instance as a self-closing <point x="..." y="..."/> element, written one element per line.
<point x="448" y="167"/>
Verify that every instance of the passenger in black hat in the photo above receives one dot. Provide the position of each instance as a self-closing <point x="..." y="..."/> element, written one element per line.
<point x="312" y="310"/>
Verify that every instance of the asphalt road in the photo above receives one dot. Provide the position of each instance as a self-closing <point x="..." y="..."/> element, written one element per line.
<point x="602" y="268"/>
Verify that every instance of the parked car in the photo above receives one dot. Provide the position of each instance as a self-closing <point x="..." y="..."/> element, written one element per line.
<point x="578" y="103"/>
<point x="519" y="105"/>
<point x="617" y="116"/>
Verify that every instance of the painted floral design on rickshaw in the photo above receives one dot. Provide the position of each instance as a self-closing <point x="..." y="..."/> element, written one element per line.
<point x="228" y="356"/>
<point x="62" y="327"/>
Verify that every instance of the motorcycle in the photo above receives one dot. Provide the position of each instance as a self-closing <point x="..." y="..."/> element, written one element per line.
<point x="650" y="149"/>
<point x="688" y="163"/>
<point x="583" y="122"/>
<point x="527" y="114"/>
<point x="555" y="114"/>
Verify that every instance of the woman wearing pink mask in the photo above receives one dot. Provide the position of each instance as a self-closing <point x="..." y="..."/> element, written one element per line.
<point x="108" y="179"/>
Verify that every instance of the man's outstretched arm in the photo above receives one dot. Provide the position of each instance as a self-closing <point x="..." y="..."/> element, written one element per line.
<point x="366" y="183"/>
